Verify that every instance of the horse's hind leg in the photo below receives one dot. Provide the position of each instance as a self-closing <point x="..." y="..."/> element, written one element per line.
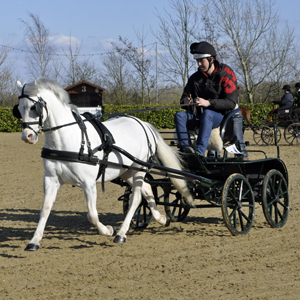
<point x="136" y="181"/>
<point x="139" y="188"/>
<point x="90" y="192"/>
<point x="51" y="186"/>
<point x="157" y="216"/>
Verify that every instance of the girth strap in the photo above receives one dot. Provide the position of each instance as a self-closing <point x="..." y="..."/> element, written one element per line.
<point x="69" y="156"/>
<point x="107" y="141"/>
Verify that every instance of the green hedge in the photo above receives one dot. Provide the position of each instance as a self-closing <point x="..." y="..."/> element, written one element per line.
<point x="259" y="109"/>
<point x="162" y="119"/>
<point x="8" y="123"/>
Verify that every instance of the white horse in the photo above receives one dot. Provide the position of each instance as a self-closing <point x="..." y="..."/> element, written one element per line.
<point x="44" y="105"/>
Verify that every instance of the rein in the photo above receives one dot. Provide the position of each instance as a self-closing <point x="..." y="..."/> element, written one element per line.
<point x="68" y="124"/>
<point x="147" y="109"/>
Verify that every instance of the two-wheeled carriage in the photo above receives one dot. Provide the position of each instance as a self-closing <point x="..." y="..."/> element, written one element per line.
<point x="288" y="120"/>
<point x="229" y="183"/>
<point x="81" y="151"/>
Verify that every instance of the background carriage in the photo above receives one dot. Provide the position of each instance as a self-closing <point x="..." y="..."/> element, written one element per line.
<point x="270" y="132"/>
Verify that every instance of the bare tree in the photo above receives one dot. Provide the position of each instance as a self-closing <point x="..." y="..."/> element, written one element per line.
<point x="177" y="30"/>
<point x="76" y="69"/>
<point x="7" y="92"/>
<point x="118" y="79"/>
<point x="71" y="53"/>
<point x="140" y="62"/>
<point x="39" y="46"/>
<point x="260" y="49"/>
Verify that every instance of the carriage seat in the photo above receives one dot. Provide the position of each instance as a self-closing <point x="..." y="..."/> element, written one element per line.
<point x="223" y="134"/>
<point x="284" y="111"/>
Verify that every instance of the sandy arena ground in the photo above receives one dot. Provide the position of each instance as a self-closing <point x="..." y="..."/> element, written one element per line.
<point x="195" y="259"/>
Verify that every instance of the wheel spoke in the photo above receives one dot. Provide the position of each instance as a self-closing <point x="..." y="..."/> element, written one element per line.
<point x="241" y="219"/>
<point x="243" y="215"/>
<point x="292" y="133"/>
<point x="138" y="217"/>
<point x="176" y="210"/>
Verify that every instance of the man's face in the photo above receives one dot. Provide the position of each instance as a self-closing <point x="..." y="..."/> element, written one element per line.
<point x="203" y="64"/>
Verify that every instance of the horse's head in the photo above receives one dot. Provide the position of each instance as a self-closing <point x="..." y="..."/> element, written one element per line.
<point x="32" y="110"/>
<point x="41" y="103"/>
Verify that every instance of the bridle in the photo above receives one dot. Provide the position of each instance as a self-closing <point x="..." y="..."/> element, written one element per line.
<point x="38" y="106"/>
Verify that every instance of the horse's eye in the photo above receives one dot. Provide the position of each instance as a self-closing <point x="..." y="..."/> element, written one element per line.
<point x="32" y="107"/>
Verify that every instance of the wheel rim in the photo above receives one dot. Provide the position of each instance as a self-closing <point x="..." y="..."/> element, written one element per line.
<point x="176" y="211"/>
<point x="292" y="134"/>
<point x="257" y="137"/>
<point x="238" y="204"/>
<point x="267" y="135"/>
<point x="278" y="135"/>
<point x="275" y="199"/>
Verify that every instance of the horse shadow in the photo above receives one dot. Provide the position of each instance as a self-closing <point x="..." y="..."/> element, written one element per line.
<point x="70" y="223"/>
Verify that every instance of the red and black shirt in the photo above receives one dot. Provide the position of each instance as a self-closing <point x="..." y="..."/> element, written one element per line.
<point x="220" y="88"/>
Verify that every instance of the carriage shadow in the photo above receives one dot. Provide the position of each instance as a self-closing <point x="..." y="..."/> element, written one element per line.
<point x="210" y="226"/>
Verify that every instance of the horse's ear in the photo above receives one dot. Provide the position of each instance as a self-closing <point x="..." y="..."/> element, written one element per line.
<point x="20" y="86"/>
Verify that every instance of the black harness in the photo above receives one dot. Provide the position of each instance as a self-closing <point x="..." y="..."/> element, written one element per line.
<point x="38" y="107"/>
<point x="81" y="157"/>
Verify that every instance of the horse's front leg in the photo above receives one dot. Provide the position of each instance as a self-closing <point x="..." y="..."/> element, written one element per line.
<point x="90" y="192"/>
<point x="51" y="186"/>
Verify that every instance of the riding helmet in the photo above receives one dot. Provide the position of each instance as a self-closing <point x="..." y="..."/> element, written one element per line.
<point x="202" y="50"/>
<point x="297" y="85"/>
<point x="286" y="87"/>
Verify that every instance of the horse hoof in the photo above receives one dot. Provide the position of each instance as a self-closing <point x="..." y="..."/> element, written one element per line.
<point x="168" y="221"/>
<point x="32" y="247"/>
<point x="119" y="239"/>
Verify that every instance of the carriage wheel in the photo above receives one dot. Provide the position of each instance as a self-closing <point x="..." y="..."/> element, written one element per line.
<point x="238" y="204"/>
<point x="267" y="135"/>
<point x="257" y="136"/>
<point x="142" y="216"/>
<point x="292" y="133"/>
<point x="278" y="134"/>
<point x="275" y="199"/>
<point x="175" y="209"/>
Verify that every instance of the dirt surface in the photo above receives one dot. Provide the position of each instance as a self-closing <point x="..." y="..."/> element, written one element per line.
<point x="195" y="259"/>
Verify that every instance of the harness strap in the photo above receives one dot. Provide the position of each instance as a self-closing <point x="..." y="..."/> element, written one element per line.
<point x="69" y="156"/>
<point x="106" y="146"/>
<point x="83" y="135"/>
<point x="152" y="154"/>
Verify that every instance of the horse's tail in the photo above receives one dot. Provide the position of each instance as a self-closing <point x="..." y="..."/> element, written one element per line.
<point x="170" y="158"/>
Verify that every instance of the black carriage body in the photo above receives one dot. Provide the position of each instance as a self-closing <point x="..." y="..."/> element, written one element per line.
<point x="221" y="170"/>
<point x="229" y="183"/>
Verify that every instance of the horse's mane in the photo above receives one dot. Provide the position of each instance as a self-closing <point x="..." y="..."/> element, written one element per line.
<point x="36" y="86"/>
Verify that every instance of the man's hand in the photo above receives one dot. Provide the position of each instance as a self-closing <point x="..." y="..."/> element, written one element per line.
<point x="202" y="102"/>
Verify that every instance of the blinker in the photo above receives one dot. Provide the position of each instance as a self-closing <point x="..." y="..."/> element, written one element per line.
<point x="16" y="112"/>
